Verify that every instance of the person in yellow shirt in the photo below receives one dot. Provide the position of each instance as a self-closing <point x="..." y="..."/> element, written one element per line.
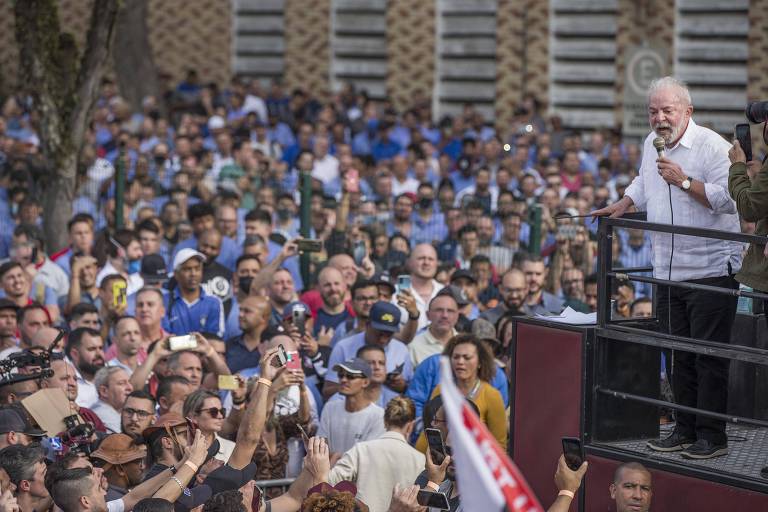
<point x="473" y="368"/>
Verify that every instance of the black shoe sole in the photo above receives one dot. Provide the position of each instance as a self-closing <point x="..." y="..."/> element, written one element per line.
<point x="667" y="449"/>
<point x="719" y="452"/>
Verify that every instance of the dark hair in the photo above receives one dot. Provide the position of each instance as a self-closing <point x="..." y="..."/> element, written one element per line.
<point x="641" y="300"/>
<point x="360" y="284"/>
<point x="32" y="233"/>
<point x="143" y="395"/>
<point x="19" y="462"/>
<point x="466" y="228"/>
<point x="226" y="501"/>
<point x="246" y="257"/>
<point x="369" y="348"/>
<point x="8" y="266"/>
<point x="67" y="486"/>
<point x="108" y="279"/>
<point x="487" y="366"/>
<point x="590" y="279"/>
<point x="635" y="466"/>
<point x="153" y="505"/>
<point x="75" y="338"/>
<point x="199" y="210"/>
<point x="479" y="258"/>
<point x="166" y="383"/>
<point x="30" y="307"/>
<point x="259" y="215"/>
<point x="148" y="225"/>
<point x="120" y="240"/>
<point x="80" y="218"/>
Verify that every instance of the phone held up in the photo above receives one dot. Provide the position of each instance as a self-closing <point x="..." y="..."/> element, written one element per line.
<point x="573" y="452"/>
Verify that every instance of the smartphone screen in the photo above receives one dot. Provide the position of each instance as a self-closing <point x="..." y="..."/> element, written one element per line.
<point x="403" y="283"/>
<point x="294" y="361"/>
<point x="358" y="252"/>
<point x="432" y="499"/>
<point x="745" y="139"/>
<point x="397" y="371"/>
<point x="573" y="452"/>
<point x="300" y="320"/>
<point x="436" y="445"/>
<point x="282" y="355"/>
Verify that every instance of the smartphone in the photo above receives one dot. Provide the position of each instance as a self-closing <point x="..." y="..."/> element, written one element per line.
<point x="119" y="295"/>
<point x="299" y="317"/>
<point x="294" y="361"/>
<point x="397" y="371"/>
<point x="282" y="355"/>
<point x="745" y="139"/>
<point x="304" y="435"/>
<point x="228" y="382"/>
<point x="359" y="253"/>
<point x="573" y="452"/>
<point x="432" y="499"/>
<point x="352" y="178"/>
<point x="184" y="342"/>
<point x="309" y="245"/>
<point x="436" y="445"/>
<point x="403" y="283"/>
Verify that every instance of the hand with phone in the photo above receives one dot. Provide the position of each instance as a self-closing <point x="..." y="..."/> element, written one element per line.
<point x="405" y="499"/>
<point x="317" y="461"/>
<point x="437" y="472"/>
<point x="396" y="382"/>
<point x="567" y="479"/>
<point x="309" y="345"/>
<point x="407" y="301"/>
<point x="270" y="364"/>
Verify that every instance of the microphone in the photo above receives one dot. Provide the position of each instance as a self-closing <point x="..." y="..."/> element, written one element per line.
<point x="658" y="143"/>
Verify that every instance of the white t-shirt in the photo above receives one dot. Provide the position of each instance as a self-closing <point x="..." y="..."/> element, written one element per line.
<point x="344" y="429"/>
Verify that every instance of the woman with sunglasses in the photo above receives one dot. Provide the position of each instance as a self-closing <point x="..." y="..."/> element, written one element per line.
<point x="203" y="410"/>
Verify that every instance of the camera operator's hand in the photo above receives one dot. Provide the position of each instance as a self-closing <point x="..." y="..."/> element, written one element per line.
<point x="565" y="478"/>
<point x="736" y="154"/>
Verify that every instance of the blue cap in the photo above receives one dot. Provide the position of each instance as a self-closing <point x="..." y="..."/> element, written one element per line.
<point x="385" y="316"/>
<point x="295" y="305"/>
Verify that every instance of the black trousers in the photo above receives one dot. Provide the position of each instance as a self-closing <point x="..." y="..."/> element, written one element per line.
<point x="699" y="380"/>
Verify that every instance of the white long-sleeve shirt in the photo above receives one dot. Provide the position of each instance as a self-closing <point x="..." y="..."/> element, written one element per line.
<point x="703" y="156"/>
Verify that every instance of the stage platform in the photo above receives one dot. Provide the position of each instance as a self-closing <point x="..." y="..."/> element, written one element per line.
<point x="748" y="453"/>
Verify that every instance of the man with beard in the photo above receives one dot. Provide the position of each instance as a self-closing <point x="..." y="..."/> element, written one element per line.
<point x="123" y="463"/>
<point x="514" y="291"/>
<point x="333" y="289"/>
<point x="281" y="292"/>
<point x="693" y="176"/>
<point x="217" y="279"/>
<point x="402" y="216"/>
<point x="364" y="294"/>
<point x="138" y="414"/>
<point x="539" y="300"/>
<point x="85" y="349"/>
<point x="191" y="309"/>
<point x="8" y="324"/>
<point x="243" y="350"/>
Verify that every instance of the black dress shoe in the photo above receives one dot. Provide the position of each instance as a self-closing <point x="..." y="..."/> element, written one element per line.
<point x="703" y="449"/>
<point x="674" y="442"/>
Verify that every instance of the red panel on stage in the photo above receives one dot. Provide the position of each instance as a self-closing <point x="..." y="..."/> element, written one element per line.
<point x="547" y="401"/>
<point x="671" y="492"/>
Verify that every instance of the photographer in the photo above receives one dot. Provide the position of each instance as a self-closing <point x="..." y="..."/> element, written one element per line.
<point x="748" y="186"/>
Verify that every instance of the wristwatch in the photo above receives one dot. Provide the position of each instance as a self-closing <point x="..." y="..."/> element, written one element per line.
<point x="686" y="185"/>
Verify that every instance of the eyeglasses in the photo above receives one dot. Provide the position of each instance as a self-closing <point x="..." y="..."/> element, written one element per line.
<point x="214" y="412"/>
<point x="350" y="376"/>
<point x="141" y="414"/>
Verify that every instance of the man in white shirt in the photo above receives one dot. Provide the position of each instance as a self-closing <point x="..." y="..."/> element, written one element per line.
<point x="113" y="385"/>
<point x="443" y="315"/>
<point x="326" y="167"/>
<point x="345" y="423"/>
<point x="85" y="349"/>
<point x="688" y="186"/>
<point x="423" y="267"/>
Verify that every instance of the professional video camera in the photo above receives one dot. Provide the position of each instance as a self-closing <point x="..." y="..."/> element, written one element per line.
<point x="36" y="364"/>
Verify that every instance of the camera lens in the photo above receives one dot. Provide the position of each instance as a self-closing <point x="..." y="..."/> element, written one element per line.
<point x="757" y="111"/>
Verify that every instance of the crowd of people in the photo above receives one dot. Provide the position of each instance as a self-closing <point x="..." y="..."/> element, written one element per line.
<point x="198" y="358"/>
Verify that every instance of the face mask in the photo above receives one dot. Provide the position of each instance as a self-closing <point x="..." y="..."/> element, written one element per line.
<point x="134" y="266"/>
<point x="245" y="284"/>
<point x="425" y="203"/>
<point x="284" y="214"/>
<point x="159" y="160"/>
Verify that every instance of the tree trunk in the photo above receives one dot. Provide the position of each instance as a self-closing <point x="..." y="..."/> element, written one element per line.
<point x="64" y="90"/>
<point x="134" y="66"/>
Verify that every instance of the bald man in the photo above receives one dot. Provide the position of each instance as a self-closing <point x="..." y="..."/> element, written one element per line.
<point x="253" y="318"/>
<point x="423" y="267"/>
<point x="514" y="291"/>
<point x="65" y="378"/>
<point x="333" y="291"/>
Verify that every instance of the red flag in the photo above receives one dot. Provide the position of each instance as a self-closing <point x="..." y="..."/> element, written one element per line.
<point x="488" y="480"/>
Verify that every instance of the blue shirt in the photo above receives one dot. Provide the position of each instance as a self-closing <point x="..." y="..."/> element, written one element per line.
<point x="396" y="352"/>
<point x="384" y="149"/>
<point x="428" y="231"/>
<point x="291" y="264"/>
<point x="232" y="322"/>
<point x="427" y="377"/>
<point x="206" y="314"/>
<point x="327" y="320"/>
<point x="239" y="357"/>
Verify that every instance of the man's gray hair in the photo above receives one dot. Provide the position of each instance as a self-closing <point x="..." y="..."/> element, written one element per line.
<point x="668" y="82"/>
<point x="103" y="375"/>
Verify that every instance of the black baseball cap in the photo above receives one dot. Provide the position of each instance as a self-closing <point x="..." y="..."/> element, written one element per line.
<point x="463" y="273"/>
<point x="355" y="366"/>
<point x="384" y="278"/>
<point x="385" y="316"/>
<point x="6" y="303"/>
<point x="153" y="268"/>
<point x="13" y="420"/>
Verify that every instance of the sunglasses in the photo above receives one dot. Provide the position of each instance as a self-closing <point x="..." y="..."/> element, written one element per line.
<point x="350" y="376"/>
<point x="214" y="412"/>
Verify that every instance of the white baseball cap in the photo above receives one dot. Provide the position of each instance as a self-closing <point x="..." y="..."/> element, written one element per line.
<point x="184" y="256"/>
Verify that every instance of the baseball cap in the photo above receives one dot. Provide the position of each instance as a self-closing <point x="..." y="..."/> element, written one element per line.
<point x="455" y="293"/>
<point x="385" y="316"/>
<point x="384" y="278"/>
<point x="622" y="180"/>
<point x="484" y="329"/>
<point x="216" y="123"/>
<point x="355" y="366"/>
<point x="14" y="420"/>
<point x="153" y="268"/>
<point x="119" y="449"/>
<point x="297" y="304"/>
<point x="463" y="274"/>
<point x="185" y="255"/>
<point x="8" y="304"/>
